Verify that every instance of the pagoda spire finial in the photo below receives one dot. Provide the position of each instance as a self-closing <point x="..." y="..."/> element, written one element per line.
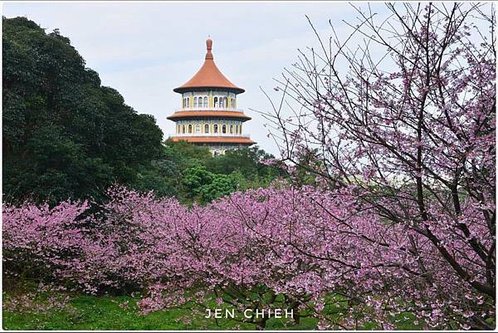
<point x="209" y="47"/>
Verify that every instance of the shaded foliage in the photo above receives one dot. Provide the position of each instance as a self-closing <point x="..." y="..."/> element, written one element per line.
<point x="64" y="135"/>
<point x="192" y="174"/>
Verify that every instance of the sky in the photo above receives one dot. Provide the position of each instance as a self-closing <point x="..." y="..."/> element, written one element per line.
<point x="146" y="49"/>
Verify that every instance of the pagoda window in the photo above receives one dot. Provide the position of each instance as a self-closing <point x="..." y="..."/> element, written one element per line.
<point x="215" y="128"/>
<point x="183" y="129"/>
<point x="188" y="102"/>
<point x="206" y="128"/>
<point x="231" y="129"/>
<point x="216" y="102"/>
<point x="195" y="102"/>
<point x="190" y="128"/>
<point x="224" y="129"/>
<point x="205" y="101"/>
<point x="197" y="128"/>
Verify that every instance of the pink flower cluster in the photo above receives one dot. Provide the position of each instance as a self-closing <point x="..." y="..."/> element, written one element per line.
<point x="409" y="121"/>
<point x="312" y="247"/>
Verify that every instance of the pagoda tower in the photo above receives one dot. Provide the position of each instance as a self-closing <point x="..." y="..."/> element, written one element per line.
<point x="209" y="114"/>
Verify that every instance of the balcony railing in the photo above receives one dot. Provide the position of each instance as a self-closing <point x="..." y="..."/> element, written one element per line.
<point x="209" y="109"/>
<point x="212" y="134"/>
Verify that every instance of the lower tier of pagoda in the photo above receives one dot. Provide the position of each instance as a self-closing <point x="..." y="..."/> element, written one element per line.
<point x="240" y="140"/>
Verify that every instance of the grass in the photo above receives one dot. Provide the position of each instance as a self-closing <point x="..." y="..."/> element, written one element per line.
<point x="82" y="312"/>
<point x="109" y="313"/>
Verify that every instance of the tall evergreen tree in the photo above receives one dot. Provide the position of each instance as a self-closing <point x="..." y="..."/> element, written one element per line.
<point x="64" y="135"/>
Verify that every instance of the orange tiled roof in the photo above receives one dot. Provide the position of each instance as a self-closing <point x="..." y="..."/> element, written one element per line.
<point x="209" y="76"/>
<point x="244" y="140"/>
<point x="202" y="114"/>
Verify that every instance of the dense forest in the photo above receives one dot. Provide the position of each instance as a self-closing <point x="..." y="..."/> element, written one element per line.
<point x="67" y="136"/>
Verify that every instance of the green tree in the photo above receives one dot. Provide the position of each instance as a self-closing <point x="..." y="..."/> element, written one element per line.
<point x="248" y="163"/>
<point x="221" y="185"/>
<point x="64" y="135"/>
<point x="193" y="174"/>
<point x="204" y="186"/>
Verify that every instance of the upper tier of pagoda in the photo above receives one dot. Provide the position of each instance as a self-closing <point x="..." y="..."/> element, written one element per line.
<point x="209" y="76"/>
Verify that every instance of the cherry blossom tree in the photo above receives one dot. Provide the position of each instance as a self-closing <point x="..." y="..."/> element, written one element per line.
<point x="34" y="237"/>
<point x="315" y="252"/>
<point x="120" y="247"/>
<point x="406" y="119"/>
